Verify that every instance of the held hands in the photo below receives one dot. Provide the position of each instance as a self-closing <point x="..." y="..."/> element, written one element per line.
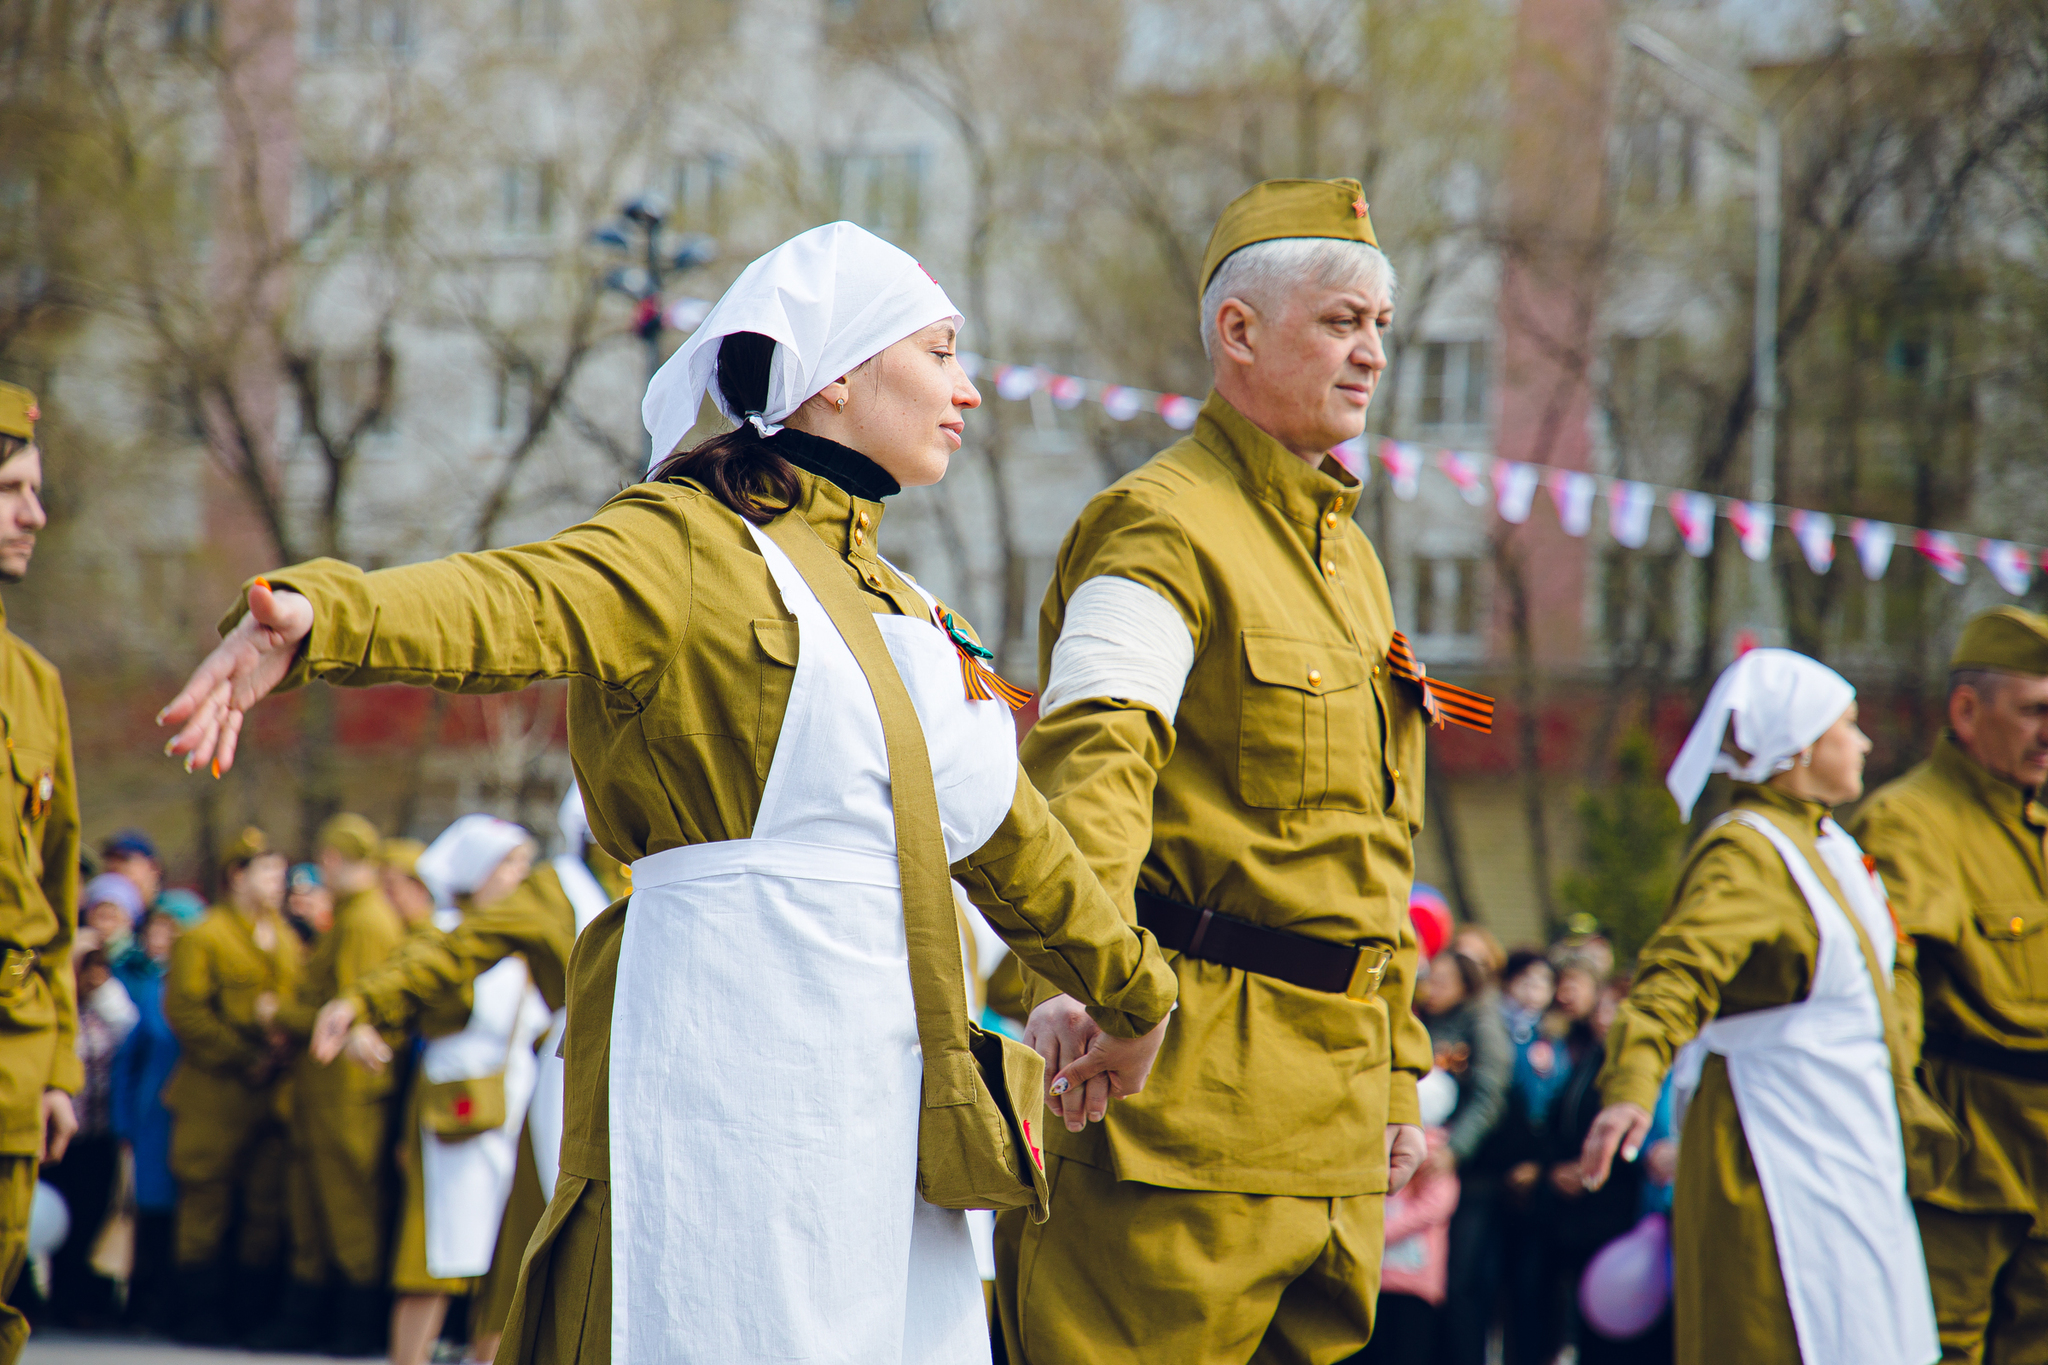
<point x="1087" y="1066"/>
<point x="1619" y="1125"/>
<point x="241" y="671"/>
<point x="331" y="1028"/>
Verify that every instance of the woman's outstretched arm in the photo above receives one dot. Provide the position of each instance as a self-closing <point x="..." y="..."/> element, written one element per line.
<point x="607" y="599"/>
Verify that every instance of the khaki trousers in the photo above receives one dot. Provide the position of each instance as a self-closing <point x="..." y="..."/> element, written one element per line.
<point x="1989" y="1273"/>
<point x="246" y="1174"/>
<point x="340" y="1194"/>
<point x="1125" y="1273"/>
<point x="17" y="1196"/>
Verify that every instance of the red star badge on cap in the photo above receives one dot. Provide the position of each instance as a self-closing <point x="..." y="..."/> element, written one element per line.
<point x="35" y="413"/>
<point x="1358" y="207"/>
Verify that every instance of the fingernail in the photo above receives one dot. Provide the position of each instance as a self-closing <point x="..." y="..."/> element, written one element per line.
<point x="1628" y="1153"/>
<point x="167" y="745"/>
<point x="261" y="581"/>
<point x="160" y="716"/>
<point x="216" y="770"/>
<point x="1059" y="1087"/>
<point x="191" y="761"/>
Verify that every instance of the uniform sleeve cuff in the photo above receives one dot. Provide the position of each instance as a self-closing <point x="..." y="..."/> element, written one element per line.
<point x="67" y="1073"/>
<point x="1402" y="1104"/>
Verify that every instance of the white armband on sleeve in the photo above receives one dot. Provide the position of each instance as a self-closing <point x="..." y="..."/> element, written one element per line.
<point x="1120" y="639"/>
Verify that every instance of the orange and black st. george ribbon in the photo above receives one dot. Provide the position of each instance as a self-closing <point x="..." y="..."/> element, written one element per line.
<point x="1441" y="700"/>
<point x="983" y="682"/>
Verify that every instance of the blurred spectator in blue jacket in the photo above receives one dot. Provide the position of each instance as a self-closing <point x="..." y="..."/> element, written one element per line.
<point x="142" y="1123"/>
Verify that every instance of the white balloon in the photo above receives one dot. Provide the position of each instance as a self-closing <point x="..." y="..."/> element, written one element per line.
<point x="1437" y="1095"/>
<point x="49" y="1220"/>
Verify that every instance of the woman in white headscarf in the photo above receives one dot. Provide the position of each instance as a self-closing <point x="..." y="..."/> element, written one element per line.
<point x="741" y="1161"/>
<point x="1767" y="992"/>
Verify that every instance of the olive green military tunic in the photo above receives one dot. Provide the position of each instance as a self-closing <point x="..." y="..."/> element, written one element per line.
<point x="38" y="920"/>
<point x="662" y="614"/>
<point x="228" y="1144"/>
<point x="341" y="1115"/>
<point x="428" y="985"/>
<point x="1286" y="790"/>
<point x="1961" y="853"/>
<point x="1739" y="936"/>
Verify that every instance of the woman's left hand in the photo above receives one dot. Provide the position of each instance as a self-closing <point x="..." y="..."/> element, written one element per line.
<point x="1086" y="1066"/>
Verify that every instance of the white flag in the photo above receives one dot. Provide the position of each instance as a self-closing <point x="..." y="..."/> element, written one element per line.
<point x="1573" y="492"/>
<point x="1515" y="483"/>
<point x="1628" y="511"/>
<point x="1815" y="532"/>
<point x="1873" y="540"/>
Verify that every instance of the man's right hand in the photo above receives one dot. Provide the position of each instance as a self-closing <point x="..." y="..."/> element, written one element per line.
<point x="241" y="671"/>
<point x="1085" y="1066"/>
<point x="330" y="1029"/>
<point x="1619" y="1125"/>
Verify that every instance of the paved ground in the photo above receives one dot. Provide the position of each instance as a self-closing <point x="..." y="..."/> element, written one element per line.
<point x="64" y="1348"/>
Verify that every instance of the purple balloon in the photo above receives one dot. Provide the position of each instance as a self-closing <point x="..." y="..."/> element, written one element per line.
<point x="1627" y="1285"/>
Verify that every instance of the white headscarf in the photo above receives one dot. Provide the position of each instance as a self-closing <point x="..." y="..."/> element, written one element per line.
<point x="573" y="821"/>
<point x="466" y="854"/>
<point x="1774" y="702"/>
<point x="831" y="297"/>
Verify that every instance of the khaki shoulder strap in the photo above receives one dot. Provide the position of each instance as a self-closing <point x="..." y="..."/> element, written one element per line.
<point x="938" y="984"/>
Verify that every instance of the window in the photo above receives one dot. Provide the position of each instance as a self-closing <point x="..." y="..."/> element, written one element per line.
<point x="698" y="194"/>
<point x="527" y="198"/>
<point x="1447" y="596"/>
<point x="514" y="406"/>
<point x="341" y="27"/>
<point x="1658" y="156"/>
<point x="191" y="26"/>
<point x="533" y="21"/>
<point x="1456" y="383"/>
<point x="881" y="191"/>
<point x="349" y="203"/>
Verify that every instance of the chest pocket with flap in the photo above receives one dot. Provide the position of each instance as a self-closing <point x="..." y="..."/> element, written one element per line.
<point x="2018" y="949"/>
<point x="1308" y="727"/>
<point x="35" y="776"/>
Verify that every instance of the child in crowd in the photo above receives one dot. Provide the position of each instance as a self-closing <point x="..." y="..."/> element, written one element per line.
<point x="1412" y="1271"/>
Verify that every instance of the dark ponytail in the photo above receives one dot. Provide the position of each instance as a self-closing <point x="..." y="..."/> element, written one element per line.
<point x="739" y="467"/>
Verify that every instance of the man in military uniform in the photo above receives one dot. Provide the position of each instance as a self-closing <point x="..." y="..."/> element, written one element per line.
<point x="1958" y="841"/>
<point x="1223" y="733"/>
<point x="39" y="1067"/>
<point x="230" y="975"/>
<point x="341" y="1175"/>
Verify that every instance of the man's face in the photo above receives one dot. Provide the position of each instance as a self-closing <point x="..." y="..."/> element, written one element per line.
<point x="261" y="881"/>
<point x="2005" y="729"/>
<point x="142" y="872"/>
<point x="21" y="512"/>
<point x="1316" y="355"/>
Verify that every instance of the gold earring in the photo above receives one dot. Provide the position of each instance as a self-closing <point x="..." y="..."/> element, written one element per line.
<point x="842" y="405"/>
<point x="1806" y="759"/>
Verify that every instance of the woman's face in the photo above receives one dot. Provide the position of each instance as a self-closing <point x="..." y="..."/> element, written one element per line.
<point x="158" y="934"/>
<point x="1577" y="992"/>
<point x="408" y="895"/>
<point x="505" y="877"/>
<point x="1831" y="771"/>
<point x="1534" y="988"/>
<point x="108" y="919"/>
<point x="905" y="408"/>
<point x="1443" y="990"/>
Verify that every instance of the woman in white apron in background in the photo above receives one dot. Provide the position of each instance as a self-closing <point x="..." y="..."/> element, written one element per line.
<point x="743" y="1162"/>
<point x="459" y="1172"/>
<point x="1794" y="1242"/>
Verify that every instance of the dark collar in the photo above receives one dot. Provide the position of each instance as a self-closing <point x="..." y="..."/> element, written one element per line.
<point x="843" y="465"/>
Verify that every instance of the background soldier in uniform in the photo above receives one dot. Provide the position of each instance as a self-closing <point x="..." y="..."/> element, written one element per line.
<point x="229" y="976"/>
<point x="341" y="1176"/>
<point x="1958" y="841"/>
<point x="1222" y="733"/>
<point x="39" y="1067"/>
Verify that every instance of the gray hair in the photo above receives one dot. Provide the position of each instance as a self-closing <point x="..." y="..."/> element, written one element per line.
<point x="1986" y="682"/>
<point x="1264" y="272"/>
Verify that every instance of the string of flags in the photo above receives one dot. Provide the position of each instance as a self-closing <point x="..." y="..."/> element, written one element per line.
<point x="1512" y="486"/>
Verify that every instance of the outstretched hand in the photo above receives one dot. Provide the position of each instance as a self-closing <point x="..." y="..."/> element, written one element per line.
<point x="241" y="671"/>
<point x="1619" y="1125"/>
<point x="1085" y="1066"/>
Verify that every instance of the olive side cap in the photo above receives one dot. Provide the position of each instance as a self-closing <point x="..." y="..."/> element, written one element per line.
<point x="2005" y="640"/>
<point x="1273" y="209"/>
<point x="351" y="836"/>
<point x="403" y="856"/>
<point x="18" y="412"/>
<point x="251" y="844"/>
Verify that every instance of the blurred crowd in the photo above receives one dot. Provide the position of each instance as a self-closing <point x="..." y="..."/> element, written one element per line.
<point x="1495" y="1233"/>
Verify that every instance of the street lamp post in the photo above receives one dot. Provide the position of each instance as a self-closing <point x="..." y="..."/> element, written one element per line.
<point x="644" y="284"/>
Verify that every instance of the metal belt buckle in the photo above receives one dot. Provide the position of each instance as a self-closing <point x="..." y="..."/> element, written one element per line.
<point x="1370" y="971"/>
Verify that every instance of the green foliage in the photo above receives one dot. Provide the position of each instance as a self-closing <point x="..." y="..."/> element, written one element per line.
<point x="1633" y="836"/>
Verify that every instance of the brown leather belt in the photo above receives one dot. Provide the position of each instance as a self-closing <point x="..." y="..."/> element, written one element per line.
<point x="2004" y="1061"/>
<point x="1316" y="964"/>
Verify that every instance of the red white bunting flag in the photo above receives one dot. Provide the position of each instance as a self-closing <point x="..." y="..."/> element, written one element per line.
<point x="1123" y="403"/>
<point x="1939" y="549"/>
<point x="1351" y="454"/>
<point x="1066" y="390"/>
<point x="1515" y="485"/>
<point x="2012" y="566"/>
<point x="1573" y="493"/>
<point x="1178" y="412"/>
<point x="1815" y="532"/>
<point x="1873" y="541"/>
<point x="1693" y="513"/>
<point x="1628" y="512"/>
<point x="1404" y="465"/>
<point x="1463" y="470"/>
<point x="1016" y="382"/>
<point x="1753" y="522"/>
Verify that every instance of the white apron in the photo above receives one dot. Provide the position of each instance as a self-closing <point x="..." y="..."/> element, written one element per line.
<point x="1813" y="1084"/>
<point x="544" y="1116"/>
<point x="466" y="1182"/>
<point x="765" y="1068"/>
